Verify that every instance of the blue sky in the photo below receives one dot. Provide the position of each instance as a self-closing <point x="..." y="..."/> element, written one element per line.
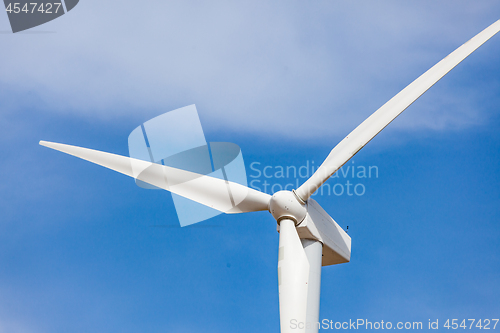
<point x="83" y="249"/>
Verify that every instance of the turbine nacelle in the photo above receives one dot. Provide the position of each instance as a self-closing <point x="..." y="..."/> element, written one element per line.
<point x="320" y="226"/>
<point x="312" y="222"/>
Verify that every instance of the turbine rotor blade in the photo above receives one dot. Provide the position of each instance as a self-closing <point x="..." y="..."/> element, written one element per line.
<point x="368" y="129"/>
<point x="219" y="194"/>
<point x="293" y="278"/>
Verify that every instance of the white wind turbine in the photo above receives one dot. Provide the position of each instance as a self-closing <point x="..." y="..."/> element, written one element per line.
<point x="309" y="237"/>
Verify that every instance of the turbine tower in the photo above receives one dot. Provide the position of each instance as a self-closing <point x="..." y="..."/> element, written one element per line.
<point x="308" y="237"/>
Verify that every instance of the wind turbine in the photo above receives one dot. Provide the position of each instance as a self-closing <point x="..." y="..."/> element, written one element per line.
<point x="309" y="237"/>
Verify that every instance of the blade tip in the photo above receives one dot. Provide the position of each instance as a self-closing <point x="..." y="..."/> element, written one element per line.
<point x="46" y="143"/>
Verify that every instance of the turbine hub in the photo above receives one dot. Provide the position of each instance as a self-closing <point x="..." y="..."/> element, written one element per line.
<point x="285" y="204"/>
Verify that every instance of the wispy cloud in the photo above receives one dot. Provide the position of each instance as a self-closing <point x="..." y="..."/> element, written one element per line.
<point x="284" y="67"/>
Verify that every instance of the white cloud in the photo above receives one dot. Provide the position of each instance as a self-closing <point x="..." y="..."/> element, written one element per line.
<point x="285" y="67"/>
